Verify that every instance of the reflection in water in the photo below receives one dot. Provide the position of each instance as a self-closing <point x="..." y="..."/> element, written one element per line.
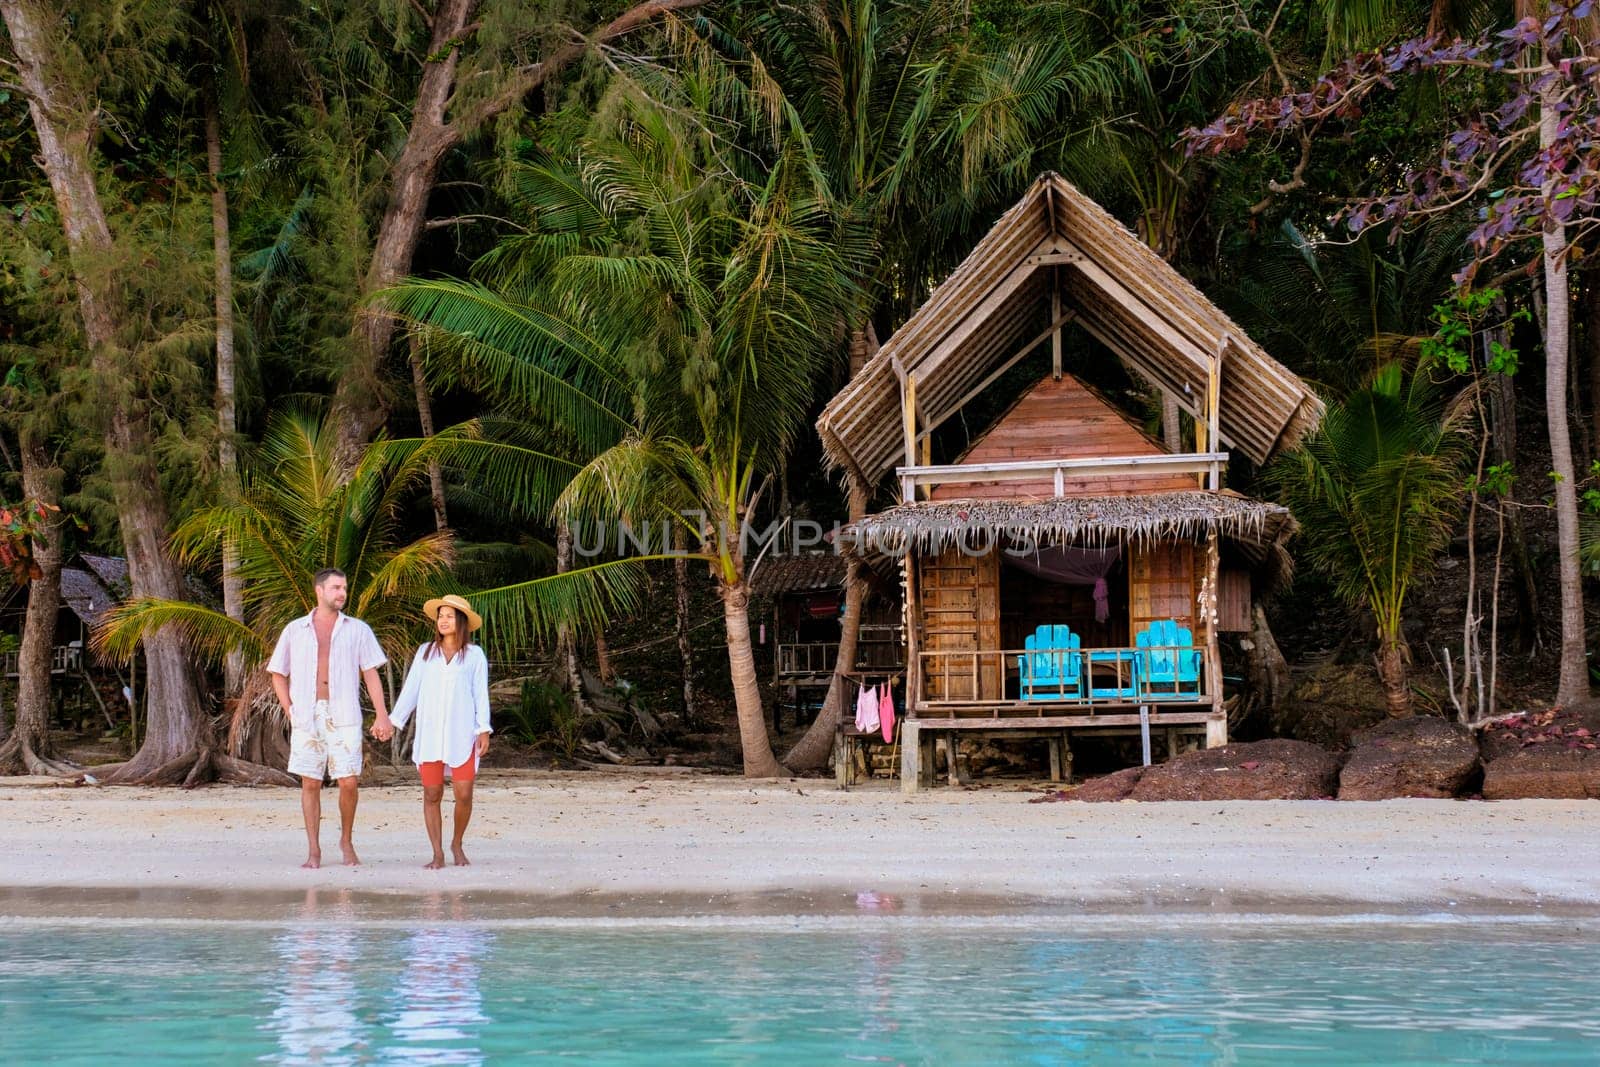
<point x="315" y="1020"/>
<point x="439" y="1006"/>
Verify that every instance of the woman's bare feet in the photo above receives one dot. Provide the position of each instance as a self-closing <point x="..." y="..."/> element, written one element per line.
<point x="437" y="863"/>
<point x="350" y="857"/>
<point x="313" y="861"/>
<point x="460" y="855"/>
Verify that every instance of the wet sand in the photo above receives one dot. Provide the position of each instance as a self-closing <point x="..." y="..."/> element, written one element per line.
<point x="619" y="844"/>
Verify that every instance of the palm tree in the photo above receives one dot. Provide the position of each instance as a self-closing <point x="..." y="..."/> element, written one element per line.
<point x="293" y="518"/>
<point x="663" y="325"/>
<point x="916" y="123"/>
<point x="1376" y="492"/>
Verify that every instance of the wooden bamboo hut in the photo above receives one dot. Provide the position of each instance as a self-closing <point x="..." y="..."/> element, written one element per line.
<point x="805" y="600"/>
<point x="1066" y="572"/>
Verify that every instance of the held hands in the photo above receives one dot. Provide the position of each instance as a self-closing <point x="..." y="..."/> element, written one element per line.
<point x="382" y="729"/>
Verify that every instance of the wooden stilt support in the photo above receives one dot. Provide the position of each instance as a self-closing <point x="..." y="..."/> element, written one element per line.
<point x="911" y="757"/>
<point x="1144" y="732"/>
<point x="1217" y="731"/>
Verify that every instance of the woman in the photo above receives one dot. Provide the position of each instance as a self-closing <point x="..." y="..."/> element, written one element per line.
<point x="448" y="687"/>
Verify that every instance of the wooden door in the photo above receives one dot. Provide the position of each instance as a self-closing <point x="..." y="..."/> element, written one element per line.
<point x="1163" y="582"/>
<point x="960" y="616"/>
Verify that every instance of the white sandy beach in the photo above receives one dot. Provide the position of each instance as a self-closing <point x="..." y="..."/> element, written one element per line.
<point x="620" y="835"/>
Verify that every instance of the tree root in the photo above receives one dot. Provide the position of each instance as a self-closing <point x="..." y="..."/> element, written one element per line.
<point x="199" y="767"/>
<point x="17" y="756"/>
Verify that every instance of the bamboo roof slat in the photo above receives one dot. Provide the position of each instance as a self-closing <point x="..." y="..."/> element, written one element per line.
<point x="1125" y="295"/>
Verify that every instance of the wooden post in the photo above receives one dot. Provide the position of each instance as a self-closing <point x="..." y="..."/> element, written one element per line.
<point x="1055" y="317"/>
<point x="911" y="598"/>
<point x="911" y="766"/>
<point x="841" y="758"/>
<point x="908" y="422"/>
<point x="1217" y="731"/>
<point x="1213" y="404"/>
<point x="1217" y="728"/>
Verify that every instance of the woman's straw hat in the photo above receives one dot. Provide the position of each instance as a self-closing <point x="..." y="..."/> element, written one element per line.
<point x="450" y="600"/>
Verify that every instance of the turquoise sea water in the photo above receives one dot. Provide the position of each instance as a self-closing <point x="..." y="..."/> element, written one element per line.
<point x="775" y="991"/>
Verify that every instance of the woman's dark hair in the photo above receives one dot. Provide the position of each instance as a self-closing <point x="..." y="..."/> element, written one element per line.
<point x="461" y="629"/>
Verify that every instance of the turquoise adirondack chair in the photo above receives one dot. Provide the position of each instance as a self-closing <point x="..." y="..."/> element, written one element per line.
<point x="1051" y="668"/>
<point x="1169" y="664"/>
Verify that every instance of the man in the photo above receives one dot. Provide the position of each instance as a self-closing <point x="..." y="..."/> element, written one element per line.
<point x="316" y="671"/>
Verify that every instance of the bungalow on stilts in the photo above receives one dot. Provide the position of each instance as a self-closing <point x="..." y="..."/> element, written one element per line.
<point x="1065" y="572"/>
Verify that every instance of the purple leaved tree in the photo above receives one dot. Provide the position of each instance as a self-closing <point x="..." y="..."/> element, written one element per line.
<point x="1530" y="167"/>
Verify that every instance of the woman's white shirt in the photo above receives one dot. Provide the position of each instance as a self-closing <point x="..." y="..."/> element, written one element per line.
<point x="451" y="701"/>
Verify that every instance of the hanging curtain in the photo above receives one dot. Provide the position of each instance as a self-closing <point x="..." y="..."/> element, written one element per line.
<point x="1073" y="566"/>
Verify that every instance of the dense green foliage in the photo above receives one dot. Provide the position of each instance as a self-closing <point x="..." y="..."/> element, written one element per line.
<point x="638" y="275"/>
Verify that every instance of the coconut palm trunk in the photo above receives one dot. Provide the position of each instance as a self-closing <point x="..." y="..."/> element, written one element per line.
<point x="1393" y="659"/>
<point x="759" y="762"/>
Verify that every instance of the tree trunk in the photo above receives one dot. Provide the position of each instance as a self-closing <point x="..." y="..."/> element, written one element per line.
<point x="566" y="641"/>
<point x="1591" y="351"/>
<point x="1269" y="671"/>
<point x="28" y="750"/>
<point x="361" y="403"/>
<point x="1525" y="583"/>
<point x="227" y="422"/>
<point x="1171" y="425"/>
<point x="814" y="747"/>
<point x="1393" y="675"/>
<point x="176" y="724"/>
<point x="441" y="520"/>
<point x="602" y="658"/>
<point x="759" y="761"/>
<point x="1574" y="676"/>
<point x="680" y="584"/>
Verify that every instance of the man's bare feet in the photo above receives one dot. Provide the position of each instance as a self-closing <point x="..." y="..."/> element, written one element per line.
<point x="460" y="855"/>
<point x="437" y="863"/>
<point x="313" y="861"/>
<point x="350" y="857"/>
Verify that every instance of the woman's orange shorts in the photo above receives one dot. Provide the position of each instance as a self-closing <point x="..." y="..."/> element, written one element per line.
<point x="433" y="772"/>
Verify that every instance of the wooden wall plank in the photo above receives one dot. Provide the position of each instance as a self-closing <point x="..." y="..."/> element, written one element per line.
<point x="1062" y="419"/>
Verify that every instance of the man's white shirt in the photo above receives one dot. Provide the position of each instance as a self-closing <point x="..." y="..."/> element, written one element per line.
<point x="353" y="648"/>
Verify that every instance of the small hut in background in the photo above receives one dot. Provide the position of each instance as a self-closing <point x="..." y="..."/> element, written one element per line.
<point x="1065" y="572"/>
<point x="90" y="585"/>
<point x="806" y="597"/>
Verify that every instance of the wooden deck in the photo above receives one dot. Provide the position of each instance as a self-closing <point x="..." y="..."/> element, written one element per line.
<point x="920" y="732"/>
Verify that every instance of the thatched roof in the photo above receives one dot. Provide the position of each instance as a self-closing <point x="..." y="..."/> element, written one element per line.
<point x="83" y="591"/>
<point x="799" y="574"/>
<point x="1121" y="292"/>
<point x="1257" y="528"/>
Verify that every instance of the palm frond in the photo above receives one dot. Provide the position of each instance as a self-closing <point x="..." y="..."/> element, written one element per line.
<point x="209" y="634"/>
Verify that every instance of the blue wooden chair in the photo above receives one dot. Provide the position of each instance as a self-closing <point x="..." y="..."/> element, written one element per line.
<point x="1051" y="668"/>
<point x="1168" y="662"/>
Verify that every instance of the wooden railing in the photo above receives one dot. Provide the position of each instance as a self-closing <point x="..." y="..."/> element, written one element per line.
<point x="806" y="658"/>
<point x="878" y="648"/>
<point x="63" y="658"/>
<point x="1209" y="464"/>
<point x="994" y="680"/>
